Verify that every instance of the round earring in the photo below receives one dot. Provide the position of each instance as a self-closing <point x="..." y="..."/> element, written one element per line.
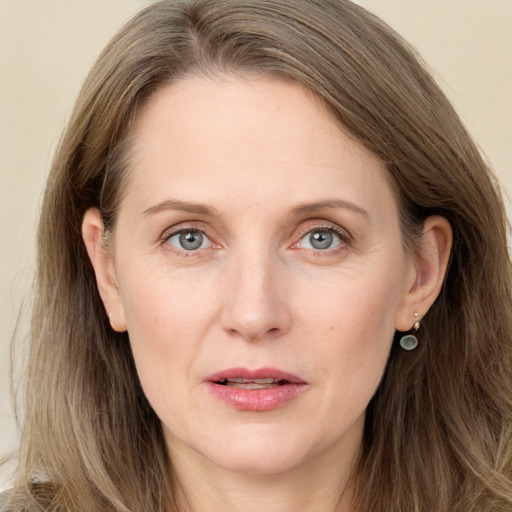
<point x="410" y="341"/>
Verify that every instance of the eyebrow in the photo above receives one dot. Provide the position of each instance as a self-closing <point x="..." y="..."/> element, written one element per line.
<point x="302" y="209"/>
<point x="175" y="204"/>
<point x="309" y="208"/>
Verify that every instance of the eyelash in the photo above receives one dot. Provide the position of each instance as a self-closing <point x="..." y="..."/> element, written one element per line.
<point x="167" y="235"/>
<point x="342" y="234"/>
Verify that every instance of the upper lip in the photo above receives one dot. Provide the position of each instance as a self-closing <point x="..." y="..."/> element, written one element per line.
<point x="252" y="374"/>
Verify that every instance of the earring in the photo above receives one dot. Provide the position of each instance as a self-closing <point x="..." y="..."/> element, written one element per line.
<point x="410" y="341"/>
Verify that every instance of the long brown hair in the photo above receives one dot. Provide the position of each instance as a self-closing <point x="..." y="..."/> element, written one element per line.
<point x="438" y="433"/>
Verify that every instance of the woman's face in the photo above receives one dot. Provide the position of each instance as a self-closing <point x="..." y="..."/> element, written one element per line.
<point x="260" y="274"/>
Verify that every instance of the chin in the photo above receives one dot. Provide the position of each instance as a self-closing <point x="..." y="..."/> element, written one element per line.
<point x="263" y="449"/>
<point x="259" y="461"/>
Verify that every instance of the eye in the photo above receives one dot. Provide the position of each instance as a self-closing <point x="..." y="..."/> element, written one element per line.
<point x="189" y="240"/>
<point x="321" y="239"/>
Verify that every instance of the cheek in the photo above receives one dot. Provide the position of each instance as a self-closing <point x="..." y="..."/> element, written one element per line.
<point x="353" y="323"/>
<point x="166" y="321"/>
<point x="164" y="335"/>
<point x="163" y="302"/>
<point x="358" y="306"/>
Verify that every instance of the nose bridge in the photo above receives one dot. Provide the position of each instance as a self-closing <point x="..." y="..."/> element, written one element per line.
<point x="255" y="306"/>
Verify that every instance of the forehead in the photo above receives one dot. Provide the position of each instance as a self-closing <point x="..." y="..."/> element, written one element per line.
<point x="205" y="138"/>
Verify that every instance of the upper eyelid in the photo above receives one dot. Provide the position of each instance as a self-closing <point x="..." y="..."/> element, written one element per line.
<point x="169" y="233"/>
<point x="327" y="225"/>
<point x="182" y="226"/>
<point x="310" y="226"/>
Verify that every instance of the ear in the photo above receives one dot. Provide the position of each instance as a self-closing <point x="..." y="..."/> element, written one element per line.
<point x="93" y="235"/>
<point x="427" y="269"/>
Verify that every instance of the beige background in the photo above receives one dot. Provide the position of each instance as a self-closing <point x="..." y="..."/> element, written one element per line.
<point x="47" y="47"/>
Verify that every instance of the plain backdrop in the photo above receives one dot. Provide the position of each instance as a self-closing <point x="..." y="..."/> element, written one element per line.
<point x="47" y="47"/>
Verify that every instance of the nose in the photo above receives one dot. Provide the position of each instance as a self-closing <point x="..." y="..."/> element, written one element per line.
<point x="256" y="307"/>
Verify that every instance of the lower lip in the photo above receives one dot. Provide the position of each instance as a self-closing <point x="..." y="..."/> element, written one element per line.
<point x="266" y="399"/>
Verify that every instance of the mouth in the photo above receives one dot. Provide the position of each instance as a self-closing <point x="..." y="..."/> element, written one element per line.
<point x="263" y="389"/>
<point x="238" y="382"/>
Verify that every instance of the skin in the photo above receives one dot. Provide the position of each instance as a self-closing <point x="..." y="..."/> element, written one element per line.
<point x="259" y="154"/>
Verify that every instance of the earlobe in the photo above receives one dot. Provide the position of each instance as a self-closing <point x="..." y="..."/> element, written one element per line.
<point x="427" y="272"/>
<point x="93" y="234"/>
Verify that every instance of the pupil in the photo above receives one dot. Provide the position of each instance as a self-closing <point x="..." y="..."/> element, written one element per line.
<point x="321" y="239"/>
<point x="190" y="240"/>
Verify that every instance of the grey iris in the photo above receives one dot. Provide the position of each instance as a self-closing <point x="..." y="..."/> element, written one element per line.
<point x="191" y="240"/>
<point x="321" y="239"/>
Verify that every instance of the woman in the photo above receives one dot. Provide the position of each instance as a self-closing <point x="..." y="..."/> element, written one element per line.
<point x="272" y="276"/>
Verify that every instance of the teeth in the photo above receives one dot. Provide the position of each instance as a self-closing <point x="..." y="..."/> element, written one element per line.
<point x="256" y="381"/>
<point x="252" y="384"/>
<point x="237" y="382"/>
